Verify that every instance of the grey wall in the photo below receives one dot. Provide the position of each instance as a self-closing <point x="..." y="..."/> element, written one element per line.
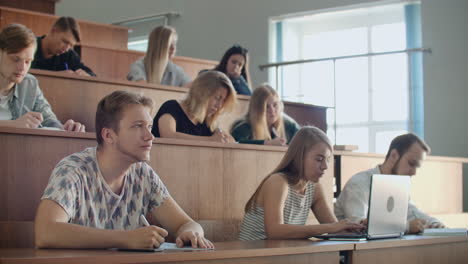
<point x="208" y="27"/>
<point x="444" y="26"/>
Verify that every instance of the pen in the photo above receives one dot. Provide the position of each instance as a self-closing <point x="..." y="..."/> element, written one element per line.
<point x="29" y="110"/>
<point x="143" y="220"/>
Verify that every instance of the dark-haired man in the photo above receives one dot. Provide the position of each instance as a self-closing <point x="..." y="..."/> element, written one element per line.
<point x="96" y="198"/>
<point x="55" y="50"/>
<point x="404" y="157"/>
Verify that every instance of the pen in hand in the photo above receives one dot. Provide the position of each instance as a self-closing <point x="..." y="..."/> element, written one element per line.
<point x="26" y="110"/>
<point x="143" y="220"/>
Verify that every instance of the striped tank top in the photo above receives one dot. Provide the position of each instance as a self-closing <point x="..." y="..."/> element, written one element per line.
<point x="296" y="211"/>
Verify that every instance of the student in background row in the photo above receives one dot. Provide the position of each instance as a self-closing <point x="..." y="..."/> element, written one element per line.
<point x="404" y="157"/>
<point x="55" y="50"/>
<point x="157" y="66"/>
<point x="95" y="198"/>
<point x="265" y="121"/>
<point x="22" y="103"/>
<point x="235" y="64"/>
<point x="196" y="116"/>
<point x="280" y="206"/>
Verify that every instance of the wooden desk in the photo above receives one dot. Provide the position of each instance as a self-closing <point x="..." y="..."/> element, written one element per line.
<point x="210" y="181"/>
<point x="412" y="250"/>
<point x="436" y="188"/>
<point x="275" y="251"/>
<point x="95" y="34"/>
<point x="115" y="63"/>
<point x="76" y="97"/>
<point x="44" y="6"/>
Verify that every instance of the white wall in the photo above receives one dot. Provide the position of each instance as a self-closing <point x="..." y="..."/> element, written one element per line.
<point x="208" y="27"/>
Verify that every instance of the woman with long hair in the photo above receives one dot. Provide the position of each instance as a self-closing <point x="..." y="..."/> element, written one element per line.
<point x="157" y="66"/>
<point x="265" y="121"/>
<point x="235" y="64"/>
<point x="195" y="117"/>
<point x="280" y="206"/>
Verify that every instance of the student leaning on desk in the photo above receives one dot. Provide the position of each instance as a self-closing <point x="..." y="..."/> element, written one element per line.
<point x="404" y="157"/>
<point x="95" y="198"/>
<point x="22" y="103"/>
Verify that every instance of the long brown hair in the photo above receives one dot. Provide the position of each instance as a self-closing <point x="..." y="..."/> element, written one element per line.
<point x="292" y="164"/>
<point x="157" y="54"/>
<point x="256" y="114"/>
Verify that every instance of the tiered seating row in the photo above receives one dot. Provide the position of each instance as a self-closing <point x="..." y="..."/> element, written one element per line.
<point x="76" y="97"/>
<point x="94" y="34"/>
<point x="211" y="181"/>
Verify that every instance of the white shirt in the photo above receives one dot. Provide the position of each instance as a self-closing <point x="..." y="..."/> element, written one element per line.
<point x="5" y="112"/>
<point x="353" y="201"/>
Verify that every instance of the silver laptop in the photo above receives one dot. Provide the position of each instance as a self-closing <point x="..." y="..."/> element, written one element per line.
<point x="388" y="209"/>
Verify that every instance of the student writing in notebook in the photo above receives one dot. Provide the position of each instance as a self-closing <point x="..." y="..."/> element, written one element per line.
<point x="280" y="206"/>
<point x="55" y="50"/>
<point x="22" y="103"/>
<point x="196" y="116"/>
<point x="95" y="198"/>
<point x="405" y="155"/>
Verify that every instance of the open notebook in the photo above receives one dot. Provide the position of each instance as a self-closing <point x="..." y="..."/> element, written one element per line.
<point x="445" y="232"/>
<point x="164" y="247"/>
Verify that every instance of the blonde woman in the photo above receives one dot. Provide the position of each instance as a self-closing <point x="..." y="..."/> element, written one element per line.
<point x="281" y="204"/>
<point x="265" y="122"/>
<point x="156" y="67"/>
<point x="195" y="117"/>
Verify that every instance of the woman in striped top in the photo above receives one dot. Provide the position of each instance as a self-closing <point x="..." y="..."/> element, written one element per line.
<point x="281" y="204"/>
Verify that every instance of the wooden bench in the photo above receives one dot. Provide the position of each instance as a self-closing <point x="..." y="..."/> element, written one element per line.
<point x="210" y="181"/>
<point x="115" y="63"/>
<point x="76" y="97"/>
<point x="95" y="34"/>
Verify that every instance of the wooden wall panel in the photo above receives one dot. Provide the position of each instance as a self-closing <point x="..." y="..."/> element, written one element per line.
<point x="436" y="188"/>
<point x="94" y="34"/>
<point x="43" y="6"/>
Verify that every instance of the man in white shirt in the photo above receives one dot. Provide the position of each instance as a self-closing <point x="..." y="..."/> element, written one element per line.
<point x="404" y="157"/>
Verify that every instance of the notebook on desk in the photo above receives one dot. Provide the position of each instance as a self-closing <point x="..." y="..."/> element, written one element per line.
<point x="388" y="209"/>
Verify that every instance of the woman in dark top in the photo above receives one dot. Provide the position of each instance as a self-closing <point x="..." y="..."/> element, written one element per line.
<point x="195" y="117"/>
<point x="235" y="64"/>
<point x="265" y="122"/>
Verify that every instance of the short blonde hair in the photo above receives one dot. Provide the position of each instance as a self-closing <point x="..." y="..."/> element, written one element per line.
<point x="157" y="54"/>
<point x="16" y="37"/>
<point x="292" y="164"/>
<point x="203" y="88"/>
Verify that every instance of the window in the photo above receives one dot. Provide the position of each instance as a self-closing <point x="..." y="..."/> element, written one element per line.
<point x="369" y="96"/>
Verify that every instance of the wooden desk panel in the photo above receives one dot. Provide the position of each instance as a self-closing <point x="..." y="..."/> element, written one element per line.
<point x="43" y="6"/>
<point x="115" y="63"/>
<point x="435" y="189"/>
<point x="412" y="249"/>
<point x="211" y="181"/>
<point x="279" y="251"/>
<point x="77" y="97"/>
<point x="95" y="34"/>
